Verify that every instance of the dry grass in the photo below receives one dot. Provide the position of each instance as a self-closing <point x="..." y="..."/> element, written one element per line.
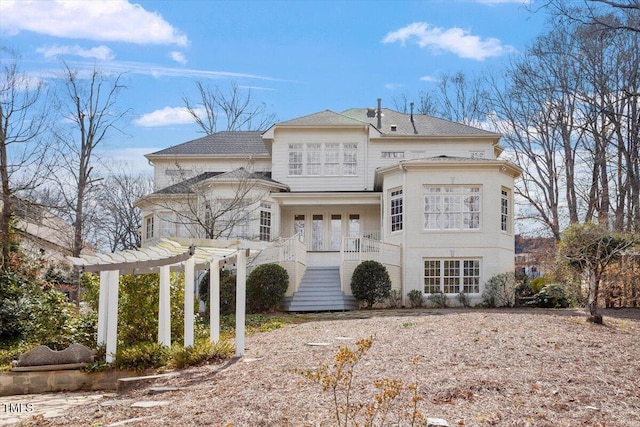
<point x="478" y="368"/>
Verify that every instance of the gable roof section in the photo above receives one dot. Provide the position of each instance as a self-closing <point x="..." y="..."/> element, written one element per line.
<point x="324" y="118"/>
<point x="422" y="125"/>
<point x="227" y="143"/>
<point x="240" y="174"/>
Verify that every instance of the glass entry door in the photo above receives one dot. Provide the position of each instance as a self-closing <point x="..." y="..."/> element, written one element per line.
<point x="317" y="233"/>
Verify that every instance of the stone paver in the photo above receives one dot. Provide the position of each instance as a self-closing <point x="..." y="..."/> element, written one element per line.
<point x="14" y="409"/>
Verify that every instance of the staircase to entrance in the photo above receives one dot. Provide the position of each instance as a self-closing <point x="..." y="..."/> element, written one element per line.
<point x="320" y="290"/>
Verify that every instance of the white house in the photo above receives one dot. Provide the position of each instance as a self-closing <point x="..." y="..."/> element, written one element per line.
<point x="427" y="197"/>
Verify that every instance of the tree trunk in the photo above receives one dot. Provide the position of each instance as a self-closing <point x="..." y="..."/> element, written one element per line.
<point x="593" y="315"/>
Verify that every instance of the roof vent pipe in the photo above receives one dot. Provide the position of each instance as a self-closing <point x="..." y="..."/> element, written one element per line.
<point x="379" y="113"/>
<point x="411" y="112"/>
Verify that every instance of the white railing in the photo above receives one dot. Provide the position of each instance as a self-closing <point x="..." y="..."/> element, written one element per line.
<point x="290" y="253"/>
<point x="363" y="249"/>
<point x="354" y="250"/>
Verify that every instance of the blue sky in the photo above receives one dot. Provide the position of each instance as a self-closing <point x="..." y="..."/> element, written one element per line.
<point x="298" y="57"/>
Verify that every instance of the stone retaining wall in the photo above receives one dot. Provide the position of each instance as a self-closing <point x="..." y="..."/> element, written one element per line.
<point x="12" y="383"/>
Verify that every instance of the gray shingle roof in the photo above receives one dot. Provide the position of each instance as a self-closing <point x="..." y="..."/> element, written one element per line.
<point x="184" y="187"/>
<point x="227" y="143"/>
<point x="326" y="118"/>
<point x="422" y="125"/>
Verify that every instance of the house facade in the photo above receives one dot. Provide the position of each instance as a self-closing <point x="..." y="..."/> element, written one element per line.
<point x="429" y="198"/>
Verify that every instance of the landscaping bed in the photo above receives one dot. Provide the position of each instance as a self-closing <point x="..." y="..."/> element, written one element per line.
<point x="508" y="367"/>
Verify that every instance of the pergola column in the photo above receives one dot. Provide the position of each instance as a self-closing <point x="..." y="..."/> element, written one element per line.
<point x="112" y="315"/>
<point x="241" y="288"/>
<point x="102" y="307"/>
<point x="189" y="275"/>
<point x="214" y="300"/>
<point x="164" y="310"/>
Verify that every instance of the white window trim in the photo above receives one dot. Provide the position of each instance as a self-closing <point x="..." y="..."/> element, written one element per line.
<point x="505" y="195"/>
<point x="461" y="274"/>
<point x="462" y="193"/>
<point x="149" y="232"/>
<point x="303" y="149"/>
<point x="399" y="195"/>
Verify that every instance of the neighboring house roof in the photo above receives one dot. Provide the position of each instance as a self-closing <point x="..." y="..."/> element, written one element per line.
<point x="184" y="187"/>
<point x="227" y="143"/>
<point x="422" y="125"/>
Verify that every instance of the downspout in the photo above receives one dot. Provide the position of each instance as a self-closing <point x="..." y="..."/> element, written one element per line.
<point x="405" y="211"/>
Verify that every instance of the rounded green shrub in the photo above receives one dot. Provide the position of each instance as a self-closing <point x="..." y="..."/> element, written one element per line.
<point x="266" y="286"/>
<point x="370" y="283"/>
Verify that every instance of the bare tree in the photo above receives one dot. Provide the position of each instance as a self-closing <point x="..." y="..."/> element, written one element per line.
<point x="23" y="147"/>
<point x="456" y="97"/>
<point x="120" y="220"/>
<point x="237" y="107"/>
<point x="210" y="204"/>
<point x="536" y="113"/>
<point x="601" y="15"/>
<point x="87" y="105"/>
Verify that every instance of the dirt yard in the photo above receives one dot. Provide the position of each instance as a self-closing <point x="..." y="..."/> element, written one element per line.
<point x="476" y="368"/>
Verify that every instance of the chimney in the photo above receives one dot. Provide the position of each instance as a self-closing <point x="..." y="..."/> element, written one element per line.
<point x="411" y="112"/>
<point x="379" y="113"/>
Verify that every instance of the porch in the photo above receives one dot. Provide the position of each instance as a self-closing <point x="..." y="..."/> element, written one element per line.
<point x="326" y="285"/>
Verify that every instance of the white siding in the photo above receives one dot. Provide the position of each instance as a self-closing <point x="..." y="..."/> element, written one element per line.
<point x="494" y="248"/>
<point x="167" y="173"/>
<point x="280" y="161"/>
<point x="424" y="148"/>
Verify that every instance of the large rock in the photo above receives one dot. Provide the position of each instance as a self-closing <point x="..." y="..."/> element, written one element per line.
<point x="43" y="356"/>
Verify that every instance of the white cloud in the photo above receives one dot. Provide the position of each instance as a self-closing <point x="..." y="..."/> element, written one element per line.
<point x="165" y="117"/>
<point x="428" y="79"/>
<point x="178" y="57"/>
<point x="393" y="86"/>
<point x="99" y="52"/>
<point x="113" y="20"/>
<point x="455" y="40"/>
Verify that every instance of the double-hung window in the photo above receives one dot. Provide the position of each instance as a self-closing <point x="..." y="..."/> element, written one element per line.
<point x="451" y="208"/>
<point x="452" y="276"/>
<point x="350" y="159"/>
<point x="295" y="159"/>
<point x="265" y="221"/>
<point x="504" y="211"/>
<point x="314" y="156"/>
<point x="332" y="159"/>
<point x="397" y="218"/>
<point x="148" y="227"/>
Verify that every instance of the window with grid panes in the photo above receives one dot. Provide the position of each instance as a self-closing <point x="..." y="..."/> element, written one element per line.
<point x="504" y="211"/>
<point x="350" y="159"/>
<point x="265" y="221"/>
<point x="295" y="159"/>
<point x="451" y="208"/>
<point x="396" y="202"/>
<point x="314" y="159"/>
<point x="452" y="276"/>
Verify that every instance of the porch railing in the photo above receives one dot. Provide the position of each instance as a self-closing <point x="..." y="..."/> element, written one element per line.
<point x="290" y="253"/>
<point x="363" y="249"/>
<point x="354" y="250"/>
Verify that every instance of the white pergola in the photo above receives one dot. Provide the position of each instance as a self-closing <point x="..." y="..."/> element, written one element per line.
<point x="188" y="255"/>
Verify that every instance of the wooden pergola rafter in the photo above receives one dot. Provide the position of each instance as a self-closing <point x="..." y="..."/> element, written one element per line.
<point x="168" y="255"/>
